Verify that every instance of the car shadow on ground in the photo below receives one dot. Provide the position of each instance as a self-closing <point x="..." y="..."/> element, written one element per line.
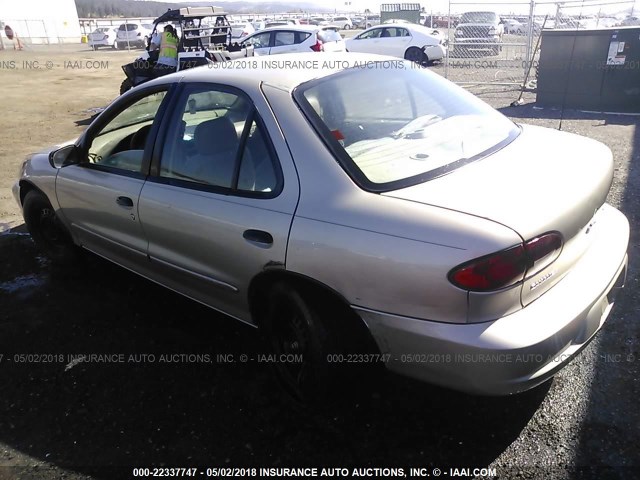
<point x="189" y="411"/>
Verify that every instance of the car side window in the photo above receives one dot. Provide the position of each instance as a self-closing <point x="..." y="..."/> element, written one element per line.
<point x="302" y="36"/>
<point x="260" y="41"/>
<point x="375" y="33"/>
<point x="284" y="38"/>
<point x="121" y="142"/>
<point x="217" y="141"/>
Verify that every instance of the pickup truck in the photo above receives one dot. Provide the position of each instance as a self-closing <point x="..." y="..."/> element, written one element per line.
<point x="478" y="32"/>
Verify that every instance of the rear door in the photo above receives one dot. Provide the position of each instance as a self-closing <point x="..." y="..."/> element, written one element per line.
<point x="99" y="196"/>
<point x="218" y="205"/>
<point x="288" y="41"/>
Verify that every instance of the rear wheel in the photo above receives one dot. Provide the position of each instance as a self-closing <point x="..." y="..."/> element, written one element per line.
<point x="125" y="86"/>
<point x="45" y="228"/>
<point x="414" y="54"/>
<point x="310" y="334"/>
<point x="293" y="327"/>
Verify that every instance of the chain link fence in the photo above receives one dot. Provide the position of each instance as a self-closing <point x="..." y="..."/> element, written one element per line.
<point x="489" y="42"/>
<point x="498" y="43"/>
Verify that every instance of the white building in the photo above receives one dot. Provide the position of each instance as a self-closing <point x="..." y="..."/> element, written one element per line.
<point x="40" y="21"/>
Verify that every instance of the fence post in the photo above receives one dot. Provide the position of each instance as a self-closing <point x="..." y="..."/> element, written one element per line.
<point x="530" y="34"/>
<point x="449" y="42"/>
<point x="126" y="29"/>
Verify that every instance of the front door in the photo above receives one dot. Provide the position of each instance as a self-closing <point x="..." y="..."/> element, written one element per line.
<point x="99" y="195"/>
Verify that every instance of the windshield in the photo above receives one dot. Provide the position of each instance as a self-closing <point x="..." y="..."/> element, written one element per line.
<point x="479" y="17"/>
<point x="400" y="126"/>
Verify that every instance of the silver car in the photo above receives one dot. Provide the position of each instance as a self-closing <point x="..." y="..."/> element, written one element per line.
<point x="355" y="208"/>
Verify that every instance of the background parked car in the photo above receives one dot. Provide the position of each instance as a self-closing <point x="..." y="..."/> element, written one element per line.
<point x="134" y="34"/>
<point x="514" y="27"/>
<point x="369" y="21"/>
<point x="239" y="30"/>
<point x="478" y="32"/>
<point x="343" y="23"/>
<point x="295" y="38"/>
<point x="104" y="37"/>
<point x="404" y="40"/>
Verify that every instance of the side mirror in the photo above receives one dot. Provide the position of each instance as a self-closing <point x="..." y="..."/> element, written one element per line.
<point x="64" y="156"/>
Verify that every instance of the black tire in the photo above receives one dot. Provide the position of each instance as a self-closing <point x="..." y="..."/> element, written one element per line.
<point x="324" y="332"/>
<point x="125" y="86"/>
<point x="293" y="325"/>
<point x="414" y="54"/>
<point x="45" y="228"/>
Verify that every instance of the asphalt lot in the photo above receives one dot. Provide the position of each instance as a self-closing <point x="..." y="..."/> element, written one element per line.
<point x="149" y="396"/>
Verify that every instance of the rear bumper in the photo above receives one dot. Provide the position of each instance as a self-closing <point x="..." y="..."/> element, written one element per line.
<point x="99" y="43"/>
<point x="435" y="52"/>
<point x="522" y="350"/>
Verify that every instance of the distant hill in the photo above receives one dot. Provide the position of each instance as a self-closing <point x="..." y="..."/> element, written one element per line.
<point x="136" y="8"/>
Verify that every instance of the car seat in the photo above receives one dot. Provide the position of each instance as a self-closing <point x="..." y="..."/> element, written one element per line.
<point x="217" y="143"/>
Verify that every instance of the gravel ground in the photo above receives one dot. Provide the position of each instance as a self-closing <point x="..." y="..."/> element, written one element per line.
<point x="171" y="402"/>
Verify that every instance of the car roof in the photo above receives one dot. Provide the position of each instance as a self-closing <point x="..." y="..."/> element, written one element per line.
<point x="268" y="69"/>
<point x="302" y="28"/>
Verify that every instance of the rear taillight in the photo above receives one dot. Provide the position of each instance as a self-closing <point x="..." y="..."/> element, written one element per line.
<point x="318" y="46"/>
<point x="510" y="266"/>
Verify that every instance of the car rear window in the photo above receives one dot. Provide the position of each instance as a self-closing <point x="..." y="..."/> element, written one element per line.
<point x="329" y="35"/>
<point x="392" y="127"/>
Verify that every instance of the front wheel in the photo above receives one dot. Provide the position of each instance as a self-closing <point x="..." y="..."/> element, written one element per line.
<point x="347" y="27"/>
<point x="45" y="228"/>
<point x="125" y="86"/>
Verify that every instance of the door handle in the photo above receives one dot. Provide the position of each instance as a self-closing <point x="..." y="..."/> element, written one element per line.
<point x="258" y="236"/>
<point x="124" y="202"/>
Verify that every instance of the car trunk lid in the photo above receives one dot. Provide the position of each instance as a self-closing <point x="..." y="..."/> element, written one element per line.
<point x="541" y="182"/>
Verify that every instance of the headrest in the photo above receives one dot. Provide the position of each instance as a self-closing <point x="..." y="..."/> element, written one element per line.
<point x="215" y="136"/>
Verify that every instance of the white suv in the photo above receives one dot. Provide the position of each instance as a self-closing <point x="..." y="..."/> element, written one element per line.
<point x="134" y="34"/>
<point x="295" y="38"/>
<point x="343" y="23"/>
